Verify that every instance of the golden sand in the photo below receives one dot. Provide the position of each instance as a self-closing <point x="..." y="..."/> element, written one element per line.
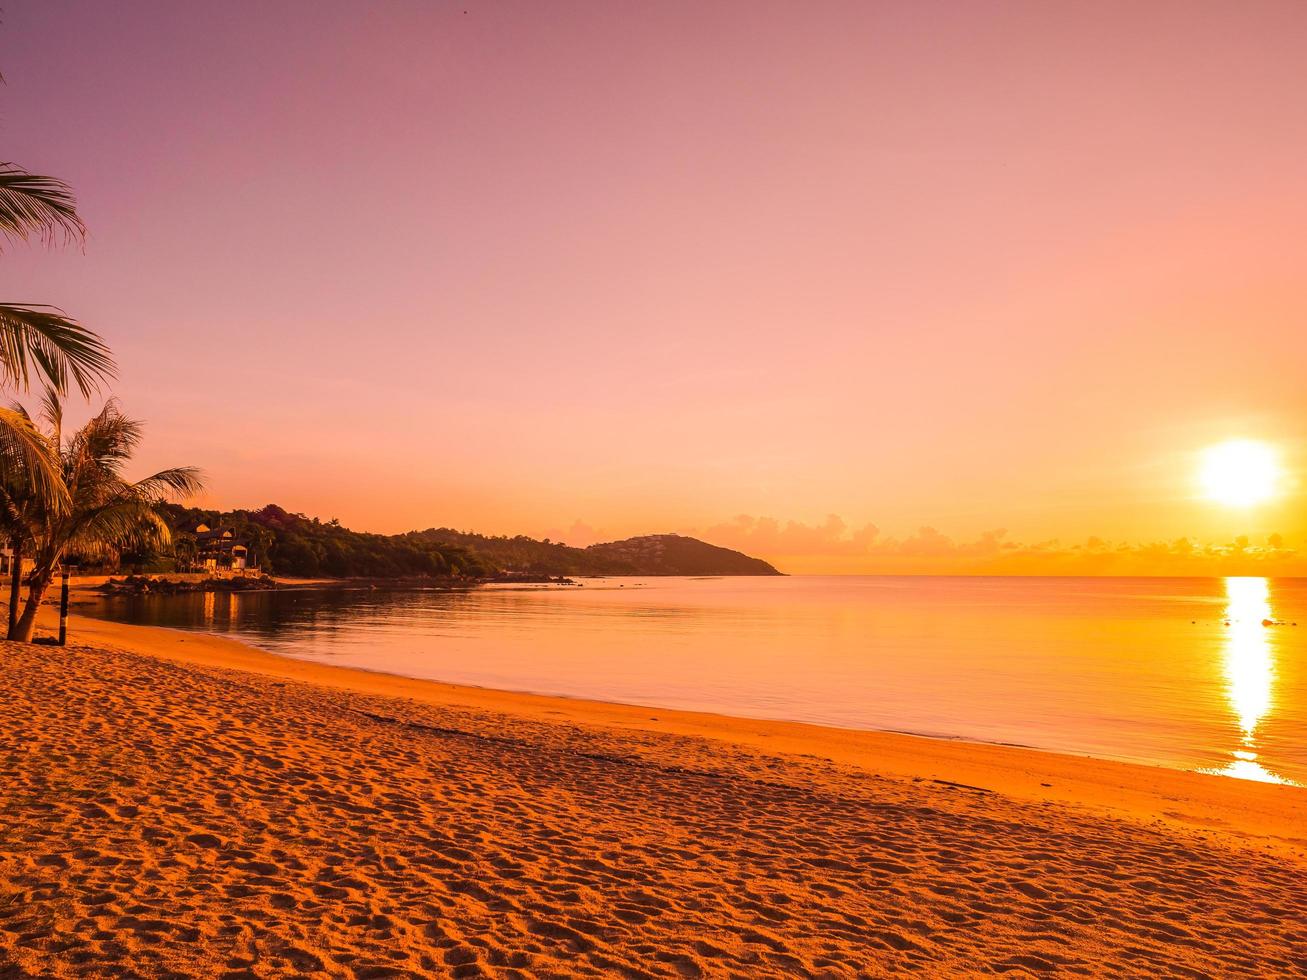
<point x="177" y="804"/>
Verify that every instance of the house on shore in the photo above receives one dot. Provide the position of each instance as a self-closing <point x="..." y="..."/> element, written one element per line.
<point x="218" y="549"/>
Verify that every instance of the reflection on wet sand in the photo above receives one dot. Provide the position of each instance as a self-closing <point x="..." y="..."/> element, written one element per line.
<point x="1249" y="672"/>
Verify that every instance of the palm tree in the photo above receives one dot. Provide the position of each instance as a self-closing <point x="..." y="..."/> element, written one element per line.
<point x="38" y="342"/>
<point x="36" y="339"/>
<point x="185" y="551"/>
<point x="29" y="477"/>
<point x="104" y="512"/>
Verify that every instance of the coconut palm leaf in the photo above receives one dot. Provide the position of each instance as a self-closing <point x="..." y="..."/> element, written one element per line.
<point x="180" y="481"/>
<point x="36" y="339"/>
<point x="52" y="414"/>
<point x="31" y="204"/>
<point x="29" y="463"/>
<point x="118" y="525"/>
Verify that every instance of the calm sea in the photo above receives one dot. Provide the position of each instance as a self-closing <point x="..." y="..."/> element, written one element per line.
<point x="1177" y="672"/>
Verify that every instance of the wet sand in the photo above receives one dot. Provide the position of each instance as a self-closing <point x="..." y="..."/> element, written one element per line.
<point x="178" y="804"/>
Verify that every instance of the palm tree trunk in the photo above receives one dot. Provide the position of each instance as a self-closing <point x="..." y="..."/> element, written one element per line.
<point x="36" y="592"/>
<point x="15" y="586"/>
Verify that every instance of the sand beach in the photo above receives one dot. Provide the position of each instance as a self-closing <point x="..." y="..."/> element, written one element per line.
<point x="176" y="804"/>
<point x="926" y="375"/>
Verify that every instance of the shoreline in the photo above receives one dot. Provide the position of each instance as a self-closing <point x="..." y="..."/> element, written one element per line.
<point x="645" y="706"/>
<point x="1236" y="810"/>
<point x="87" y="593"/>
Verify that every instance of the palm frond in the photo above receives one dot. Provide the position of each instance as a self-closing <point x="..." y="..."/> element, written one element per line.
<point x="119" y="525"/>
<point x="31" y="204"/>
<point x="181" y="481"/>
<point x="104" y="445"/>
<point x="52" y="414"/>
<point x="41" y="339"/>
<point x="29" y="462"/>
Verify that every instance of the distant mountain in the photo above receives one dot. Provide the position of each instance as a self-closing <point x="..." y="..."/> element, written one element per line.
<point x="654" y="554"/>
<point x="673" y="554"/>
<point x="283" y="543"/>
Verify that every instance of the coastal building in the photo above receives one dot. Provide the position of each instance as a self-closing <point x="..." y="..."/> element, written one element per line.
<point x="218" y="549"/>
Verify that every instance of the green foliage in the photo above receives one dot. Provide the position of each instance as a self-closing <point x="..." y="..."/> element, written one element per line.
<point x="293" y="545"/>
<point x="654" y="554"/>
<point x="518" y="554"/>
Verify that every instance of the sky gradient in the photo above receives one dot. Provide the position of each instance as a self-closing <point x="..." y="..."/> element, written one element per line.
<point x="588" y="270"/>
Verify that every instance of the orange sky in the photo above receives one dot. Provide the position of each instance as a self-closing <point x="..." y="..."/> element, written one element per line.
<point x="590" y="270"/>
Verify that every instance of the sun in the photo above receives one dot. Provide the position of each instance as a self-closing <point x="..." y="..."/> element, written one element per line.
<point x="1240" y="473"/>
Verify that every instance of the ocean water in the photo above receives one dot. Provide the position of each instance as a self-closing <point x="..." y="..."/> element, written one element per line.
<point x="1176" y="672"/>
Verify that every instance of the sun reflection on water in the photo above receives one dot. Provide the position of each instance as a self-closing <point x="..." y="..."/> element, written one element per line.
<point x="1249" y="672"/>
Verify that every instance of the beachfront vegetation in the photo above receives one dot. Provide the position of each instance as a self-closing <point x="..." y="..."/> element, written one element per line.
<point x="650" y="554"/>
<point x="305" y="547"/>
<point x="294" y="545"/>
<point x="98" y="511"/>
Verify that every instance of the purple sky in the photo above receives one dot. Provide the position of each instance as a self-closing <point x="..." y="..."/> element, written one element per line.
<point x="649" y="267"/>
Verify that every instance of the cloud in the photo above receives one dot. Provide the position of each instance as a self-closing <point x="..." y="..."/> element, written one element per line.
<point x="833" y="545"/>
<point x="769" y="536"/>
<point x="929" y="543"/>
<point x="834" y="537"/>
<point x="579" y="535"/>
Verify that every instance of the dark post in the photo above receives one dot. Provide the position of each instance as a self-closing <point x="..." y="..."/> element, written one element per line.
<point x="15" y="585"/>
<point x="63" y="607"/>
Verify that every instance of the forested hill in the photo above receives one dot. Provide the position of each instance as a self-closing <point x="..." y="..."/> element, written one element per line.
<point x="672" y="554"/>
<point x="654" y="554"/>
<point x="294" y="545"/>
